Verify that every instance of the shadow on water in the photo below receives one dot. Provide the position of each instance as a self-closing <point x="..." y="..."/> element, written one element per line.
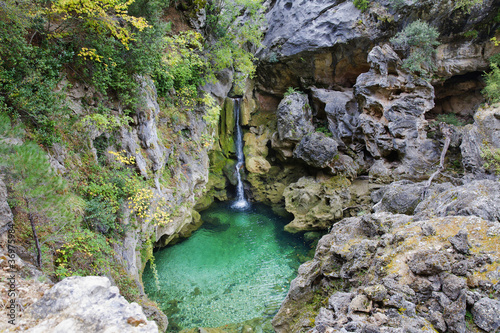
<point x="236" y="268"/>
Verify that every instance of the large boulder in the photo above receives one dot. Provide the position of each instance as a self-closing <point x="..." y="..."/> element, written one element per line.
<point x="315" y="203"/>
<point x="85" y="304"/>
<point x="486" y="314"/>
<point x="294" y="117"/>
<point x="316" y="150"/>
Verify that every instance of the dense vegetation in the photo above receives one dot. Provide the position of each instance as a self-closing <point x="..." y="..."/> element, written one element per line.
<point x="71" y="223"/>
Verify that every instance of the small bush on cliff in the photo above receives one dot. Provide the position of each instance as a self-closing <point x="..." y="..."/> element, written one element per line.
<point x="361" y="4"/>
<point x="418" y="40"/>
<point x="492" y="89"/>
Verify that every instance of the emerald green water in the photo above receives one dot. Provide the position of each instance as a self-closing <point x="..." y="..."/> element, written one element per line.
<point x="236" y="267"/>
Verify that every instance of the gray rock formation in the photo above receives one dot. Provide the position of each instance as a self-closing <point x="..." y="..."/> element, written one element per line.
<point x="477" y="198"/>
<point x="393" y="105"/>
<point x="402" y="197"/>
<point x="315" y="203"/>
<point x="385" y="273"/>
<point x="483" y="135"/>
<point x="317" y="150"/>
<point x="486" y="314"/>
<point x="294" y="117"/>
<point x="85" y="304"/>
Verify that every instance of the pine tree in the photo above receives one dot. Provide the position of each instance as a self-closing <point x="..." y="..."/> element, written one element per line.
<point x="37" y="190"/>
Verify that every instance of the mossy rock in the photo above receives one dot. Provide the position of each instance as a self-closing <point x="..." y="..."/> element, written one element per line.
<point x="217" y="161"/>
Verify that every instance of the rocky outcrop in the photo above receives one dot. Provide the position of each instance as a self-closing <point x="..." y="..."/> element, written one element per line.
<point x="479" y="138"/>
<point x="384" y="273"/>
<point x="477" y="198"/>
<point x="85" y="304"/>
<point x="316" y="203"/>
<point x="393" y="104"/>
<point x="294" y="122"/>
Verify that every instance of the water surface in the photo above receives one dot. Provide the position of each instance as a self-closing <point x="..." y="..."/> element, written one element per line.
<point x="236" y="267"/>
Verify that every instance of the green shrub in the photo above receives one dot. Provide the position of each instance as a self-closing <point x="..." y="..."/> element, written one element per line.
<point x="466" y="5"/>
<point x="291" y="91"/>
<point x="491" y="158"/>
<point x="450" y="118"/>
<point x="419" y="41"/>
<point x="492" y="89"/>
<point x="361" y="4"/>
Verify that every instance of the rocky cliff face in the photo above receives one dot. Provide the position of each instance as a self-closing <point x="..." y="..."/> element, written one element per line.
<point x="386" y="272"/>
<point x="355" y="141"/>
<point x="354" y="110"/>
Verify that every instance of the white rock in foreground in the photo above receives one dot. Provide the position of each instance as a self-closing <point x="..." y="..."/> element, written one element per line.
<point x="86" y="304"/>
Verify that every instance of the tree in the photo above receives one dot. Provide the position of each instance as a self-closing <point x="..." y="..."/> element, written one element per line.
<point x="419" y="40"/>
<point x="236" y="27"/>
<point x="37" y="190"/>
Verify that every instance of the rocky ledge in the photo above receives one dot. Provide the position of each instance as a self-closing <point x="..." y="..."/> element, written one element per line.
<point x="438" y="270"/>
<point x="85" y="304"/>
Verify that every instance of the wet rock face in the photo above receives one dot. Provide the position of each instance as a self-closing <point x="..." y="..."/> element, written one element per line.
<point x="86" y="304"/>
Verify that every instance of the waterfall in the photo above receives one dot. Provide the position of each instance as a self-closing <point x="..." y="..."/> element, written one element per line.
<point x="241" y="202"/>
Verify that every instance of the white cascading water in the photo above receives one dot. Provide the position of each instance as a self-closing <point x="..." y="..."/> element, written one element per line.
<point x="241" y="202"/>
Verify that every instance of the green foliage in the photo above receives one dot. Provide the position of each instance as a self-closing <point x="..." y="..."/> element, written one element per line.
<point x="491" y="158"/>
<point x="233" y="36"/>
<point x="450" y="118"/>
<point x="291" y="91"/>
<point x="471" y="34"/>
<point x="419" y="40"/>
<point x="466" y="5"/>
<point x="361" y="4"/>
<point x="492" y="89"/>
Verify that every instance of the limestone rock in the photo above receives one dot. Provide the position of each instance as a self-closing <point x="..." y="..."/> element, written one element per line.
<point x="315" y="204"/>
<point x="483" y="134"/>
<point x="294" y="117"/>
<point x="459" y="242"/>
<point x="86" y="304"/>
<point x="402" y="197"/>
<point x="486" y="314"/>
<point x="316" y="150"/>
<point x="429" y="263"/>
<point x="477" y="198"/>
<point x="454" y="315"/>
<point x="393" y="105"/>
